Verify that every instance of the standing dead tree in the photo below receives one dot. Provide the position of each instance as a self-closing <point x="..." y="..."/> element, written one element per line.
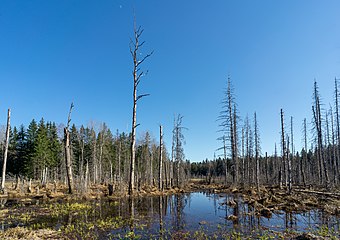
<point x="160" y="179"/>
<point x="257" y="152"/>
<point x="228" y="123"/>
<point x="303" y="163"/>
<point x="2" y="189"/>
<point x="68" y="159"/>
<point x="316" y="108"/>
<point x="283" y="168"/>
<point x="337" y="119"/>
<point x="178" y="141"/>
<point x="290" y="158"/>
<point x="137" y="73"/>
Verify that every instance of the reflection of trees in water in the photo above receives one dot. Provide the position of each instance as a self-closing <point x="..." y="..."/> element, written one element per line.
<point x="165" y="214"/>
<point x="177" y="204"/>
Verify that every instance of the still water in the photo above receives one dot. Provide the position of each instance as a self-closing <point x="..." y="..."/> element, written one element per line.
<point x="208" y="212"/>
<point x="162" y="217"/>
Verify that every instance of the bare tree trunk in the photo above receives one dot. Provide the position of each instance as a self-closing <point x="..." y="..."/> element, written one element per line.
<point x="166" y="173"/>
<point x="231" y="127"/>
<point x="283" y="148"/>
<point x="160" y="179"/>
<point x="101" y="154"/>
<point x="334" y="157"/>
<point x="337" y="127"/>
<point x="235" y="149"/>
<point x="317" y="120"/>
<point x="119" y="162"/>
<point x="243" y="155"/>
<point x="225" y="159"/>
<point x="248" y="152"/>
<point x="86" y="175"/>
<point x="290" y="160"/>
<point x="289" y="168"/>
<point x="68" y="153"/>
<point x="303" y="163"/>
<point x="6" y="151"/>
<point x="257" y="153"/>
<point x="94" y="157"/>
<point x="137" y="74"/>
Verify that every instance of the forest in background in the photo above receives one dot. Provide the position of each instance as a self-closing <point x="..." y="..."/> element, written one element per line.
<point x="316" y="164"/>
<point x="84" y="155"/>
<point x="37" y="153"/>
<point x="100" y="156"/>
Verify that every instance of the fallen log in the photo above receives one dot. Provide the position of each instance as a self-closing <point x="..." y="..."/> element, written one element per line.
<point x="329" y="194"/>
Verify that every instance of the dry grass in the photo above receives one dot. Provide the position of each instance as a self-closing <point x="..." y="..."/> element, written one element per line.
<point x="24" y="233"/>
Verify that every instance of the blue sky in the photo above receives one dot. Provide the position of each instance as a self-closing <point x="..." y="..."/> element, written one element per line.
<point x="56" y="52"/>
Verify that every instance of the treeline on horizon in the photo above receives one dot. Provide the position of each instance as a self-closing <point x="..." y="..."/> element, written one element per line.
<point x="243" y="164"/>
<point x="37" y="153"/>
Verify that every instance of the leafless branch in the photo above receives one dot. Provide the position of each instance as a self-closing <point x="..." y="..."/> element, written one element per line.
<point x="69" y="116"/>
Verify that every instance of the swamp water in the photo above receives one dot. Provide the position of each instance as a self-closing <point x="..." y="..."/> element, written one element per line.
<point x="196" y="215"/>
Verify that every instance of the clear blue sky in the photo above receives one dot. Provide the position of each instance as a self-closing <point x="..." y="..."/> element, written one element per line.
<point x="56" y="52"/>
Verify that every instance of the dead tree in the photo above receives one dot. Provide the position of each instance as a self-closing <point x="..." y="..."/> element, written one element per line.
<point x="333" y="149"/>
<point x="137" y="73"/>
<point x="68" y="159"/>
<point x="283" y="144"/>
<point x="228" y="124"/>
<point x="290" y="159"/>
<point x="249" y="148"/>
<point x="257" y="152"/>
<point x="179" y="156"/>
<point x="303" y="163"/>
<point x="160" y="179"/>
<point x="316" y="108"/>
<point x="6" y="151"/>
<point x="289" y="168"/>
<point x="337" y="119"/>
<point x="243" y="156"/>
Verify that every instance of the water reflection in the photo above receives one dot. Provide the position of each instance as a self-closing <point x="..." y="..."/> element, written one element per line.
<point x="188" y="212"/>
<point x="163" y="216"/>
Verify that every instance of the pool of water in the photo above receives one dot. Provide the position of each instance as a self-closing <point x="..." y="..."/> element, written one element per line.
<point x="159" y="216"/>
<point x="208" y="212"/>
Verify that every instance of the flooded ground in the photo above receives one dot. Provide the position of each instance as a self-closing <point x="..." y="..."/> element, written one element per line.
<point x="197" y="215"/>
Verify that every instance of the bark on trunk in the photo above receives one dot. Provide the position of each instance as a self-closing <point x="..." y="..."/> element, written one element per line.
<point x="6" y="151"/>
<point x="68" y="161"/>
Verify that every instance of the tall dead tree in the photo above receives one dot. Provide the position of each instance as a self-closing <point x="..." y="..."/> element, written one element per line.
<point x="337" y="119"/>
<point x="316" y="108"/>
<point x="160" y="179"/>
<point x="228" y="124"/>
<point x="135" y="45"/>
<point x="67" y="146"/>
<point x="290" y="158"/>
<point x="333" y="149"/>
<point x="257" y="152"/>
<point x="179" y="156"/>
<point x="303" y="163"/>
<point x="6" y="151"/>
<point x="283" y="144"/>
<point x="235" y="149"/>
<point x="249" y="148"/>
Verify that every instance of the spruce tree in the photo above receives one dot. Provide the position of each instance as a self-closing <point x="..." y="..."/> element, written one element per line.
<point x="32" y="132"/>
